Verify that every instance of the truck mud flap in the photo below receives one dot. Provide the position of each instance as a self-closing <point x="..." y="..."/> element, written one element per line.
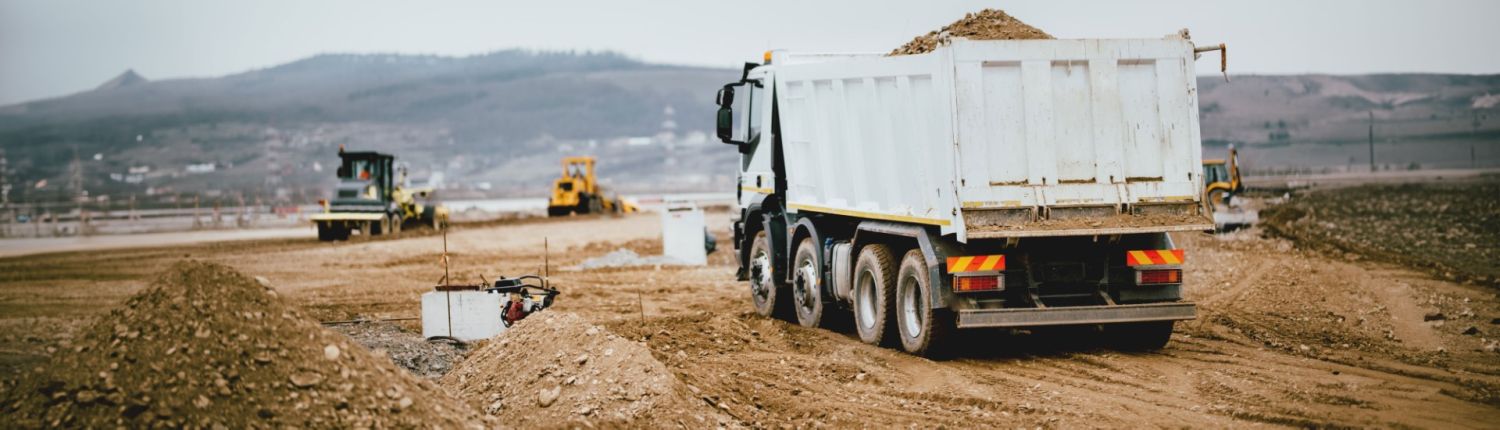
<point x="1035" y="317"/>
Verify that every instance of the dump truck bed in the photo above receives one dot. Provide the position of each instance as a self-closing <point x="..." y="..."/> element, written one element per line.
<point x="993" y="139"/>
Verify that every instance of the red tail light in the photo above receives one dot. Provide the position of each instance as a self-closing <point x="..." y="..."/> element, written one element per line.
<point x="1157" y="277"/>
<point x="964" y="284"/>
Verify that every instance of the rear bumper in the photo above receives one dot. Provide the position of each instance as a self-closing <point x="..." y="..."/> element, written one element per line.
<point x="1073" y="315"/>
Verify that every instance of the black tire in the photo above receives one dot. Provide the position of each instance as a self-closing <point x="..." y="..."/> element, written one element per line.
<point x="596" y="205"/>
<point x="1146" y="336"/>
<point x="767" y="292"/>
<point x="394" y="225"/>
<point x="325" y="232"/>
<point x="340" y="232"/>
<point x="874" y="293"/>
<point x="807" y="285"/>
<point x="922" y="328"/>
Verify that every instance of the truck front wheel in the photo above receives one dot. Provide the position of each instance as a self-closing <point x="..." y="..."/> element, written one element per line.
<point x="765" y="290"/>
<point x="874" y="293"/>
<point x="922" y="328"/>
<point x="806" y="292"/>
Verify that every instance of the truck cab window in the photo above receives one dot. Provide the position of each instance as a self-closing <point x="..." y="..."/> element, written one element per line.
<point x="754" y="112"/>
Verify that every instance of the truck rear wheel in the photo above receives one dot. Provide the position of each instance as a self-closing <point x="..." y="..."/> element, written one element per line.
<point x="325" y="232"/>
<point x="765" y="290"/>
<point x="807" y="295"/>
<point x="874" y="292"/>
<point x="1146" y="336"/>
<point x="366" y="229"/>
<point x="922" y="328"/>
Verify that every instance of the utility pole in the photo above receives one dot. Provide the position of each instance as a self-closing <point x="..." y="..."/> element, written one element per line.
<point x="1473" y="161"/>
<point x="5" y="196"/>
<point x="1372" y="141"/>
<point x="75" y="183"/>
<point x="4" y="181"/>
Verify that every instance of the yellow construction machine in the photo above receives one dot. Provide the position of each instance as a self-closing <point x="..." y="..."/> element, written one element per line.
<point x="578" y="191"/>
<point x="374" y="198"/>
<point x="1221" y="178"/>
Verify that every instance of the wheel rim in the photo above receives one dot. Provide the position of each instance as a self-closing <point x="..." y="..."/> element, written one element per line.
<point x="866" y="296"/>
<point x="910" y="304"/>
<point x="806" y="275"/>
<point x="760" y="277"/>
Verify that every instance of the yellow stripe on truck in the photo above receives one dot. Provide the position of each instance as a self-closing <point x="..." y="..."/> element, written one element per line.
<point x="990" y="263"/>
<point x="1141" y="256"/>
<point x="1169" y="257"/>
<point x="870" y="215"/>
<point x="962" y="264"/>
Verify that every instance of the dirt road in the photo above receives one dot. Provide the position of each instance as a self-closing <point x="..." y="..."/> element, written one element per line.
<point x="1285" y="337"/>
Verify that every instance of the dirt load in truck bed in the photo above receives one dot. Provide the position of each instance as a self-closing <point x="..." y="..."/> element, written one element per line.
<point x="988" y="24"/>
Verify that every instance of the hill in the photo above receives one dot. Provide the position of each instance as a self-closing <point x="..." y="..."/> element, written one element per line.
<point x="275" y="127"/>
<point x="1332" y="109"/>
<point x="494" y="124"/>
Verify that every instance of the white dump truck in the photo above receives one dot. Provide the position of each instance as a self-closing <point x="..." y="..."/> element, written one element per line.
<point x="986" y="184"/>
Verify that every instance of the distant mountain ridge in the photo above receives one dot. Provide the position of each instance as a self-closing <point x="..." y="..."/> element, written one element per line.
<point x="1257" y="109"/>
<point x="502" y="119"/>
<point x="126" y="79"/>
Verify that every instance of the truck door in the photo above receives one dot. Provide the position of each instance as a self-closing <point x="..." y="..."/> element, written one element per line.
<point x="757" y="179"/>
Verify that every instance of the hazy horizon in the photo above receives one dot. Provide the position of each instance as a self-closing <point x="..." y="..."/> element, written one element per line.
<point x="54" y="48"/>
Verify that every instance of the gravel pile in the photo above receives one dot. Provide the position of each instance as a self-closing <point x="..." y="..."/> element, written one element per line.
<point x="207" y="347"/>
<point x="429" y="359"/>
<point x="988" y="24"/>
<point x="554" y="369"/>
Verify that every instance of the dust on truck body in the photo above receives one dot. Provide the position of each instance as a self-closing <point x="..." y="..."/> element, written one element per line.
<point x="986" y="184"/>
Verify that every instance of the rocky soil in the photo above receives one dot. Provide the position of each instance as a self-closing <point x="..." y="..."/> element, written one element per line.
<point x="1451" y="229"/>
<point x="407" y="349"/>
<point x="1286" y="336"/>
<point x="207" y="347"/>
<point x="555" y="369"/>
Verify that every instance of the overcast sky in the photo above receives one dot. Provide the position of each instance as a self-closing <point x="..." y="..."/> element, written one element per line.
<point x="50" y="48"/>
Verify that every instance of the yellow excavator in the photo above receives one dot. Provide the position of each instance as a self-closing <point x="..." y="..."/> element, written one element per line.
<point x="1221" y="178"/>
<point x="578" y="191"/>
<point x="1221" y="182"/>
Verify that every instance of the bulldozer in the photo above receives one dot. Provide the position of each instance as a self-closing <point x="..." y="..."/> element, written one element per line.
<point x="578" y="192"/>
<point x="374" y="198"/>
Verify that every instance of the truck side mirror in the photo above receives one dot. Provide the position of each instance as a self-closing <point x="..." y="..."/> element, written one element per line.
<point x="726" y="126"/>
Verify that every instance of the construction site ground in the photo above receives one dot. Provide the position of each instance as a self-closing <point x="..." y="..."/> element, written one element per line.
<point x="1286" y="335"/>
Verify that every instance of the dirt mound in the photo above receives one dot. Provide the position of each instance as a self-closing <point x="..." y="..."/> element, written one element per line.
<point x="555" y="369"/>
<point x="205" y="346"/>
<point x="988" y="24"/>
